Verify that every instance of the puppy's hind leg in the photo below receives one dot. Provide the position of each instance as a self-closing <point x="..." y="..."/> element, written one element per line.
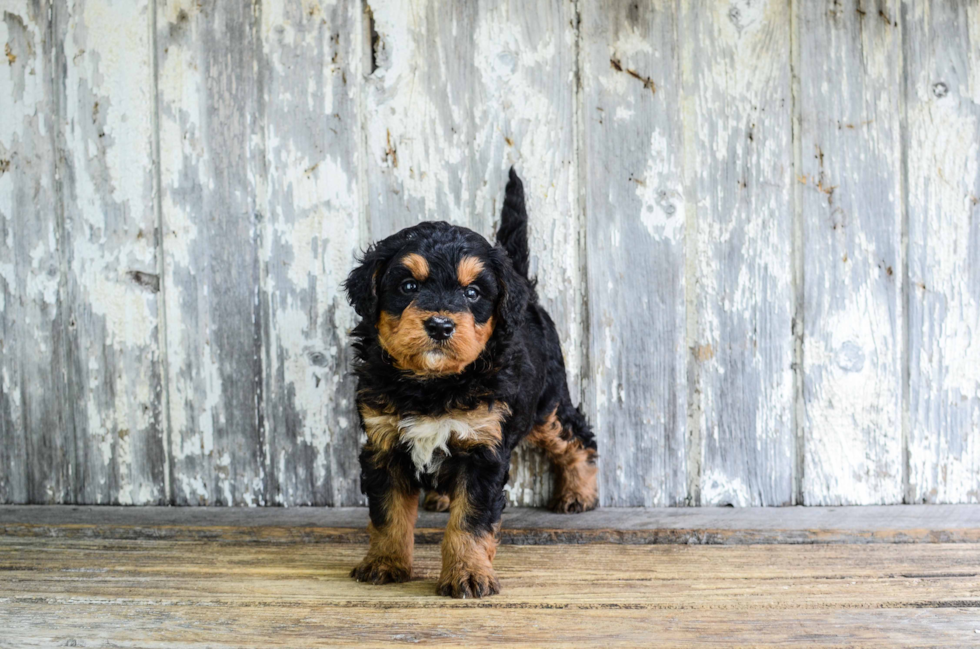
<point x="433" y="501"/>
<point x="568" y="441"/>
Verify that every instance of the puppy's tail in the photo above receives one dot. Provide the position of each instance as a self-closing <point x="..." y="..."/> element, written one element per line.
<point x="512" y="233"/>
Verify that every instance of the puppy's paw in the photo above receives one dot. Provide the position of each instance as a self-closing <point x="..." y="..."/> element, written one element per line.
<point x="462" y="583"/>
<point x="381" y="570"/>
<point x="576" y="488"/>
<point x="570" y="502"/>
<point x="436" y="502"/>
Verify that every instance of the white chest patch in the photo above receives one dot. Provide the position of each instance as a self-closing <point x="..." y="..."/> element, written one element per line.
<point x="426" y="435"/>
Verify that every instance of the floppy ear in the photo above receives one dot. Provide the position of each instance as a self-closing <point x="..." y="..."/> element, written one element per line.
<point x="515" y="291"/>
<point x="362" y="283"/>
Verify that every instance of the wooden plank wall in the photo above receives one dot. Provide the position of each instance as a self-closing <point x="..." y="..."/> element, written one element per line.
<point x="754" y="224"/>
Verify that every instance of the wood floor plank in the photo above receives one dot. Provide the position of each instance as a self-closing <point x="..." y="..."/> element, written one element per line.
<point x="187" y="627"/>
<point x="520" y="526"/>
<point x="665" y="562"/>
<point x="154" y="593"/>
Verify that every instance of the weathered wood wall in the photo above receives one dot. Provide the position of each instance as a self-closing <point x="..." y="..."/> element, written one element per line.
<point x="755" y="223"/>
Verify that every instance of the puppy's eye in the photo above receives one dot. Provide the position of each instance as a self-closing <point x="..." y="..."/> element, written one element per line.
<point x="472" y="293"/>
<point x="409" y="286"/>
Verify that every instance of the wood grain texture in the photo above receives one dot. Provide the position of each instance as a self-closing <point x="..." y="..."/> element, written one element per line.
<point x="635" y="206"/>
<point x="744" y="179"/>
<point x="187" y="626"/>
<point x="312" y="56"/>
<point x="942" y="53"/>
<point x="106" y="166"/>
<point x="199" y="332"/>
<point x="37" y="445"/>
<point x="192" y="594"/>
<point x="460" y="93"/>
<point x="850" y="84"/>
<point x="519" y="525"/>
<point x="211" y="162"/>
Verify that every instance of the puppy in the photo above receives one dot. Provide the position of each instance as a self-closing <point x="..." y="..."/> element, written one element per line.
<point x="456" y="363"/>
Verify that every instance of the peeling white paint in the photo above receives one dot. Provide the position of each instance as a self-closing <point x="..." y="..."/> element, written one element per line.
<point x="853" y="289"/>
<point x="34" y="401"/>
<point x="635" y="216"/>
<point x="944" y="315"/>
<point x="110" y="225"/>
<point x="725" y="489"/>
<point x="744" y="346"/>
<point x="43" y="281"/>
<point x="211" y="178"/>
<point x="311" y="237"/>
<point x="662" y="211"/>
<point x="649" y="155"/>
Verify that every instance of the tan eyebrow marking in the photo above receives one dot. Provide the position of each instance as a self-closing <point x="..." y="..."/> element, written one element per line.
<point x="417" y="264"/>
<point x="468" y="270"/>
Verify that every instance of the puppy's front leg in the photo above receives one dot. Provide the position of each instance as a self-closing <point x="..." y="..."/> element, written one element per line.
<point x="394" y="508"/>
<point x="470" y="543"/>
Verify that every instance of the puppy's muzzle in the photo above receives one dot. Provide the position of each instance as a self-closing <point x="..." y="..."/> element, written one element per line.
<point x="439" y="327"/>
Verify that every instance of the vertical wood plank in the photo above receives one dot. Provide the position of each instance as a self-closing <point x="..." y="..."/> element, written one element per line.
<point x="743" y="175"/>
<point x="461" y="92"/>
<point x="211" y="164"/>
<point x="635" y="208"/>
<point x="850" y="85"/>
<point x="942" y="50"/>
<point x="312" y="74"/>
<point x="261" y="184"/>
<point x="106" y="165"/>
<point x="36" y="428"/>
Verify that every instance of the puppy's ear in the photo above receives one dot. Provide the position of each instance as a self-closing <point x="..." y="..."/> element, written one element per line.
<point x="362" y="283"/>
<point x="515" y="292"/>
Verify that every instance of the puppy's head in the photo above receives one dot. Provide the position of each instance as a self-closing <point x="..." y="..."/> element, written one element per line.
<point x="437" y="293"/>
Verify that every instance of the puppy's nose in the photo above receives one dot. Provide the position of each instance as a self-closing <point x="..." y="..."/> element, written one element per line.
<point x="439" y="327"/>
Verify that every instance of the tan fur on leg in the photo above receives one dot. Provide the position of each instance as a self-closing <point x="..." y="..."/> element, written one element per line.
<point x="435" y="502"/>
<point x="575" y="469"/>
<point x="467" y="558"/>
<point x="389" y="557"/>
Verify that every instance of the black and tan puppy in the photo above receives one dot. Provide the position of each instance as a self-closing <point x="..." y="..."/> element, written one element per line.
<point x="456" y="363"/>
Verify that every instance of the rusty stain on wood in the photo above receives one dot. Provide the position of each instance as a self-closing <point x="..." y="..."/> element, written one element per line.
<point x="646" y="81"/>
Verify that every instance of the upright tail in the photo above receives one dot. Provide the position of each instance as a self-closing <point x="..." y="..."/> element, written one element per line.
<point x="512" y="233"/>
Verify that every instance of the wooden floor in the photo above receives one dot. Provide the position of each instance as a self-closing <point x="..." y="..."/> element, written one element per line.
<point x="69" y="589"/>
